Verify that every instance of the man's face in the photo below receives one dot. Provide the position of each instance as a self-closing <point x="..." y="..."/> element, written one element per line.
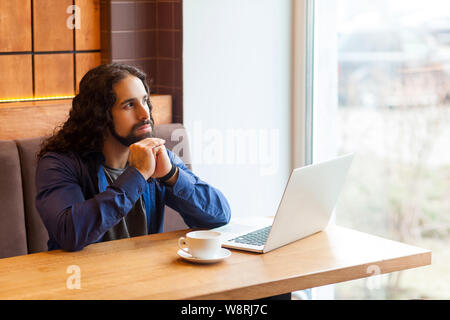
<point x="131" y="112"/>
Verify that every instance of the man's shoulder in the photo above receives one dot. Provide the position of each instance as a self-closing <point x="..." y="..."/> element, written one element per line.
<point x="72" y="156"/>
<point x="53" y="157"/>
<point x="66" y="158"/>
<point x="69" y="160"/>
<point x="65" y="165"/>
<point x="59" y="155"/>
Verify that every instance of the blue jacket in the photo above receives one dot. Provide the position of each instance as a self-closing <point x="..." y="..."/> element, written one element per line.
<point x="77" y="206"/>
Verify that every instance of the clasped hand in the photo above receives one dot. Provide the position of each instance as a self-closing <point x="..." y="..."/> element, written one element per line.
<point x="150" y="158"/>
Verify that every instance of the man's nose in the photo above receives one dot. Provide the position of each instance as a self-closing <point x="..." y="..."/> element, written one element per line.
<point x="143" y="111"/>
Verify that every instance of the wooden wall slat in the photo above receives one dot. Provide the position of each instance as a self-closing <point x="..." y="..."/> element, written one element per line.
<point x="162" y="108"/>
<point x="16" y="76"/>
<point x="50" y="29"/>
<point x="40" y="120"/>
<point x="15" y="25"/>
<point x="53" y="74"/>
<point x="88" y="36"/>
<point x="84" y="63"/>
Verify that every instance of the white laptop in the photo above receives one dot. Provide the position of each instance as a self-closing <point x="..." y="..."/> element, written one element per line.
<point x="305" y="208"/>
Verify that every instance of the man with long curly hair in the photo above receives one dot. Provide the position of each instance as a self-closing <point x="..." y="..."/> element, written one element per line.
<point x="104" y="176"/>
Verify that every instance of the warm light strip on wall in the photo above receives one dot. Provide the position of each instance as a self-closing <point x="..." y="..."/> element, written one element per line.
<point x="36" y="99"/>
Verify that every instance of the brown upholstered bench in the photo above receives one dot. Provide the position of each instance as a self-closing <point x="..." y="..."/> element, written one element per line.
<point x="21" y="229"/>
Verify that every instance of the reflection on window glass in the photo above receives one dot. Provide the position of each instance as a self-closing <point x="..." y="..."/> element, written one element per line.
<point x="394" y="112"/>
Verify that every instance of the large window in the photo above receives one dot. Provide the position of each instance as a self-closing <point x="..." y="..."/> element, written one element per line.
<point x="382" y="90"/>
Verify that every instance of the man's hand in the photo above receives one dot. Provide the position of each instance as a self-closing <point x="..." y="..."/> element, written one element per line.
<point x="163" y="164"/>
<point x="142" y="156"/>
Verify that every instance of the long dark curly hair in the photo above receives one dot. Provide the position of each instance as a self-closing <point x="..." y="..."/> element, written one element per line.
<point x="90" y="115"/>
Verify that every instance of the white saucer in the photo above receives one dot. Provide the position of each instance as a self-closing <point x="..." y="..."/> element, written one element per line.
<point x="223" y="254"/>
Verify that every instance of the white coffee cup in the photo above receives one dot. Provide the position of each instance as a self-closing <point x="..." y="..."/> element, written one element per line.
<point x="201" y="244"/>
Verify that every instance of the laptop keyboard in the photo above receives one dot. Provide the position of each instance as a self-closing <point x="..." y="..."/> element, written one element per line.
<point x="256" y="238"/>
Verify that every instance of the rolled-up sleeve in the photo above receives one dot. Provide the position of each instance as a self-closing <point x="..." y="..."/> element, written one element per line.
<point x="71" y="220"/>
<point x="200" y="204"/>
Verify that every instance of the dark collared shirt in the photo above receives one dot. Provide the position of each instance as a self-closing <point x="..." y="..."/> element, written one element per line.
<point x="78" y="206"/>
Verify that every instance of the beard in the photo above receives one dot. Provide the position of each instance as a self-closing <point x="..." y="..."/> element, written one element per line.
<point x="132" y="137"/>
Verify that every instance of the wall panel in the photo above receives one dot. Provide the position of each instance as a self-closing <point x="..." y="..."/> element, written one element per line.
<point x="15" y="27"/>
<point x="54" y="75"/>
<point x="88" y="36"/>
<point x="41" y="39"/>
<point x="85" y="62"/>
<point x="16" y="76"/>
<point x="50" y="25"/>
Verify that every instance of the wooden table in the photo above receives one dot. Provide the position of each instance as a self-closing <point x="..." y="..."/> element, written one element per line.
<point x="148" y="267"/>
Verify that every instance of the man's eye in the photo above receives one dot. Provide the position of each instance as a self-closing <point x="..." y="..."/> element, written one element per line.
<point x="129" y="105"/>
